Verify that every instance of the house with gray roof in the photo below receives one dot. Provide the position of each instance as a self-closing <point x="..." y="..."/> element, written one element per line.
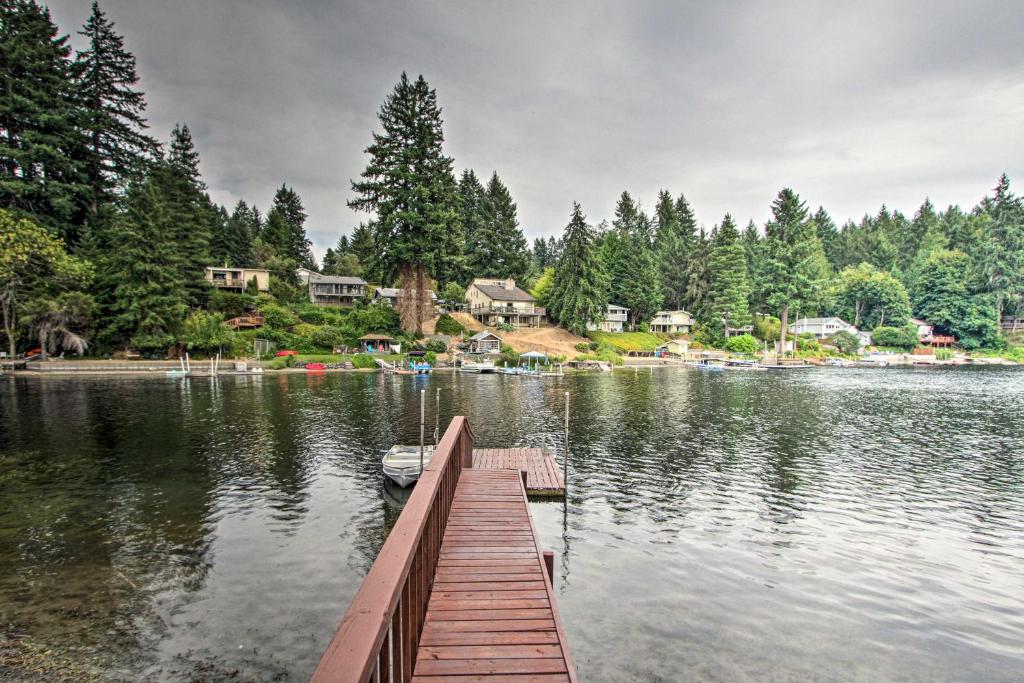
<point x="389" y="295"/>
<point x="496" y="301"/>
<point x="335" y="290"/>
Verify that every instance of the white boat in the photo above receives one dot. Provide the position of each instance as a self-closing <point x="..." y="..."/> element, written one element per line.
<point x="477" y="366"/>
<point x="401" y="464"/>
<point x="711" y="364"/>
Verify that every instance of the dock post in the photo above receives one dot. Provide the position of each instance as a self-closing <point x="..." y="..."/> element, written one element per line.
<point x="565" y="458"/>
<point x="423" y="393"/>
<point x="549" y="564"/>
<point x="437" y="416"/>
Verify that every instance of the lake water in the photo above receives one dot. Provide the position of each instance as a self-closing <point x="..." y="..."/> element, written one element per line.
<point x="819" y="525"/>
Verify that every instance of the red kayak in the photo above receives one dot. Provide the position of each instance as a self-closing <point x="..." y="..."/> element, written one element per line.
<point x="315" y="367"/>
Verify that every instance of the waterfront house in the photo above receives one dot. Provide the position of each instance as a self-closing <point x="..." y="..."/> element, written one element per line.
<point x="499" y="301"/>
<point x="485" y="342"/>
<point x="305" y="275"/>
<point x="674" y="347"/>
<point x="672" y="322"/>
<point x="924" y="330"/>
<point x="821" y="328"/>
<point x="614" y="319"/>
<point x="389" y="295"/>
<point x="237" y="279"/>
<point x="335" y="290"/>
<point x="375" y="343"/>
<point x="1011" y="322"/>
<point x="865" y="338"/>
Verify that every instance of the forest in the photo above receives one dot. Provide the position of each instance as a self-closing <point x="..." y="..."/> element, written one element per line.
<point x="105" y="232"/>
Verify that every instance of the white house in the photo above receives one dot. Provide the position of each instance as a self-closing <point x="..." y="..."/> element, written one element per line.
<point x="614" y="319"/>
<point x="821" y="328"/>
<point x="672" y="322"/>
<point x="924" y="330"/>
<point x="237" y="279"/>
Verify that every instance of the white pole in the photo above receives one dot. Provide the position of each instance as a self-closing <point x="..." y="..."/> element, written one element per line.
<point x="437" y="416"/>
<point x="565" y="458"/>
<point x="423" y="393"/>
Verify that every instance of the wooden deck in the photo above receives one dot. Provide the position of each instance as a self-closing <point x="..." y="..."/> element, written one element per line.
<point x="543" y="475"/>
<point x="461" y="590"/>
<point x="492" y="612"/>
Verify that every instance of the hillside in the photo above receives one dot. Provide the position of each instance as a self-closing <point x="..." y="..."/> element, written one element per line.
<point x="550" y="340"/>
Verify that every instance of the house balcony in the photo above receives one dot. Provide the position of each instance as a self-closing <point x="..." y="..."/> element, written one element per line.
<point x="228" y="283"/>
<point x="509" y="310"/>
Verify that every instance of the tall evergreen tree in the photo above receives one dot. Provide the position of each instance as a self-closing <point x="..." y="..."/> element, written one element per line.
<point x="471" y="198"/>
<point x="111" y="112"/>
<point x="192" y="215"/>
<point x="499" y="247"/>
<point x="828" y="233"/>
<point x="579" y="291"/>
<point x="1001" y="257"/>
<point x="408" y="183"/>
<point x="698" y="278"/>
<point x="730" y="283"/>
<point x="42" y="174"/>
<point x="286" y="228"/>
<point x="674" y="239"/>
<point x="795" y="263"/>
<point x="142" y="294"/>
<point x="240" y="231"/>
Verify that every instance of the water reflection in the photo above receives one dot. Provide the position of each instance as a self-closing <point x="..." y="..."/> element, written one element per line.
<point x="728" y="526"/>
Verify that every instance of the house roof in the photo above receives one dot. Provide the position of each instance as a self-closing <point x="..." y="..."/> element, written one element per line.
<point x="340" y="280"/>
<point x="918" y="321"/>
<point x="393" y="292"/>
<point x="671" y="313"/>
<point x="818" y="321"/>
<point x="375" y="337"/>
<point x="499" y="293"/>
<point x="484" y="335"/>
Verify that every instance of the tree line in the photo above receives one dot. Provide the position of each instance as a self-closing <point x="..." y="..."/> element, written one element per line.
<point x="107" y="230"/>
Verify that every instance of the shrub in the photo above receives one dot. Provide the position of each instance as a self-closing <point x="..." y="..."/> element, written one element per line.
<point x="277" y="317"/>
<point x="449" y="325"/>
<point x="430" y="357"/>
<point x="363" y="361"/>
<point x="585" y="347"/>
<point x="896" y="337"/>
<point x="807" y="342"/>
<point x="846" y="342"/>
<point x="767" y="328"/>
<point x="435" y="346"/>
<point x="506" y="327"/>
<point x="710" y="336"/>
<point x="206" y="331"/>
<point x="231" y="304"/>
<point x="944" y="354"/>
<point x="327" y="337"/>
<point x="743" y="343"/>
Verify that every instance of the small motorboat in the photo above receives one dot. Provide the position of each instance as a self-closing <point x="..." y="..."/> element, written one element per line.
<point x="710" y="364"/>
<point x="743" y="364"/>
<point x="401" y="464"/>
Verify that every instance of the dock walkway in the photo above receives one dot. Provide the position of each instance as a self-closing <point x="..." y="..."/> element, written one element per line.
<point x="461" y="590"/>
<point x="543" y="477"/>
<point x="491" y="612"/>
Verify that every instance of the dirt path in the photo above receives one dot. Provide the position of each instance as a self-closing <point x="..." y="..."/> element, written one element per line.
<point x="550" y="340"/>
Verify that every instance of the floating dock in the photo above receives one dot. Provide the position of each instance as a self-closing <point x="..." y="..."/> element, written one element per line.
<point x="461" y="590"/>
<point x="543" y="476"/>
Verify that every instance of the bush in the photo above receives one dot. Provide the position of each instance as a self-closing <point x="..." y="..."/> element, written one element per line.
<point x="206" y="331"/>
<point x="327" y="337"/>
<point x="363" y="361"/>
<point x="277" y="317"/>
<point x="506" y="327"/>
<point x="743" y="343"/>
<point x="449" y="325"/>
<point x="897" y="337"/>
<point x="767" y="328"/>
<point x="431" y="358"/>
<point x="807" y="342"/>
<point x="585" y="347"/>
<point x="435" y="346"/>
<point x="709" y="336"/>
<point x="231" y="304"/>
<point x="943" y="354"/>
<point x="846" y="342"/>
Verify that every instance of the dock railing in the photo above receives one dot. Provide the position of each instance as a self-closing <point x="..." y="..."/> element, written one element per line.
<point x="379" y="634"/>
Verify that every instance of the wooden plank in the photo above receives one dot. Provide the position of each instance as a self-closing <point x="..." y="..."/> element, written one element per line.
<point x="534" y="651"/>
<point x="434" y="667"/>
<point x="484" y="678"/>
<point x="431" y="637"/>
<point x="488" y="614"/>
<point x="493" y="626"/>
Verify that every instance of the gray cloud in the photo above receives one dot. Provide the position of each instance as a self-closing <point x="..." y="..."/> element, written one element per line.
<point x="851" y="104"/>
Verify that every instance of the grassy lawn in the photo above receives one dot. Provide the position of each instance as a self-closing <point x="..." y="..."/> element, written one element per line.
<point x="628" y="341"/>
<point x="280" y="363"/>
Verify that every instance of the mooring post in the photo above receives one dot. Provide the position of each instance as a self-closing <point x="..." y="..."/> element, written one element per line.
<point x="437" y="416"/>
<point x="423" y="393"/>
<point x="565" y="458"/>
<point x="522" y="475"/>
<point x="549" y="564"/>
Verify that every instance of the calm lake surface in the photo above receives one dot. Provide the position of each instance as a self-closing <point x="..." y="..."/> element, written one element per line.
<point x="819" y="525"/>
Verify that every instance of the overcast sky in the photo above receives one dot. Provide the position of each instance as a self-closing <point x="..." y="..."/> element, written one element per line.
<point x="851" y="104"/>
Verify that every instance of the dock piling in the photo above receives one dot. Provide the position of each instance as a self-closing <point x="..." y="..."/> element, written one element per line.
<point x="423" y="393"/>
<point x="565" y="458"/>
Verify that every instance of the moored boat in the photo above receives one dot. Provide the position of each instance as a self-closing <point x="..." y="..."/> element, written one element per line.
<point x="484" y="366"/>
<point x="403" y="464"/>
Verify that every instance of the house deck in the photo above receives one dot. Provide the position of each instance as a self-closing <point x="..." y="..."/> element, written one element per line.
<point x="543" y="476"/>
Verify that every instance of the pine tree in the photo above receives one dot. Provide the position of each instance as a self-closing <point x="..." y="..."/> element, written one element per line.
<point x="240" y="231"/>
<point x="753" y="251"/>
<point x="636" y="282"/>
<point x="330" y="262"/>
<point x="408" y="183"/>
<point x="471" y="215"/>
<point x="1001" y="257"/>
<point x="142" y="294"/>
<point x="364" y="248"/>
<point x="42" y="174"/>
<point x="795" y="263"/>
<point x="579" y="291"/>
<point x="674" y="238"/>
<point x="698" y="278"/>
<point x="730" y="283"/>
<point x="111" y="112"/>
<point x="191" y="213"/>
<point x="287" y="232"/>
<point x="828" y="233"/>
<point x="499" y="247"/>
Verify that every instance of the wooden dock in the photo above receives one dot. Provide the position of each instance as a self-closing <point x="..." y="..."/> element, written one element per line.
<point x="461" y="590"/>
<point x="543" y="476"/>
<point x="492" y="610"/>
